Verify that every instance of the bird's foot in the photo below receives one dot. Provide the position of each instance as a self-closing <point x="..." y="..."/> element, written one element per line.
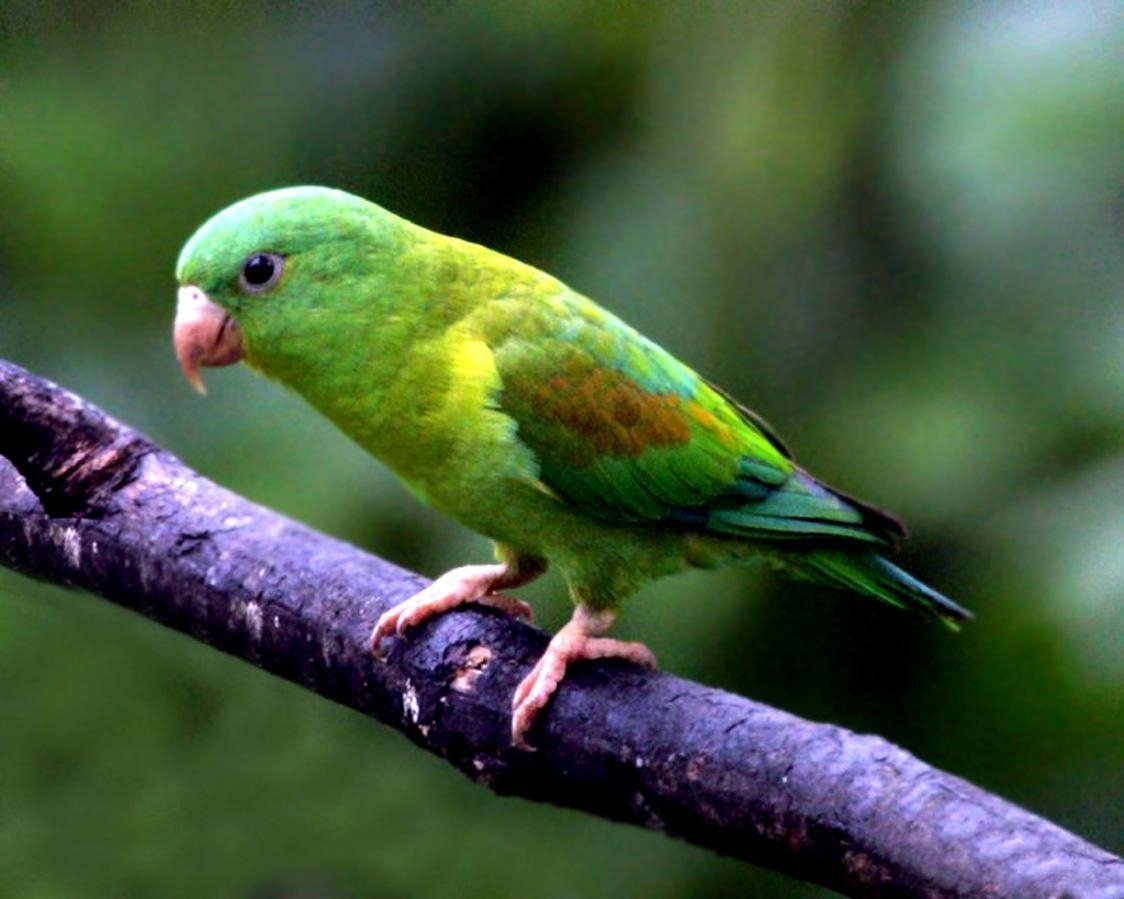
<point x="577" y="640"/>
<point x="470" y="583"/>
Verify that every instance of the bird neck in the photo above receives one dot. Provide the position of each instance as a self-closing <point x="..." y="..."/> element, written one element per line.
<point x="381" y="355"/>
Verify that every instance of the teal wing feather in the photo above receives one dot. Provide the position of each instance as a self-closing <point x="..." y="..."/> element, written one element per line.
<point x="626" y="433"/>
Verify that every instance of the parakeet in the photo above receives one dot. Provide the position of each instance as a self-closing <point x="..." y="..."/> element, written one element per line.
<point x="522" y="409"/>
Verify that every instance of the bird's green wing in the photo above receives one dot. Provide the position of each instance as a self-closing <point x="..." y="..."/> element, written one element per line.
<point x="625" y="432"/>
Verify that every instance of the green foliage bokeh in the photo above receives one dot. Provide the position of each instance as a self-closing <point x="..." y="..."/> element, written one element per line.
<point x="893" y="229"/>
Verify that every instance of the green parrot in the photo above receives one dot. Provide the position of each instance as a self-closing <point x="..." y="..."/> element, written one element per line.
<point x="522" y="409"/>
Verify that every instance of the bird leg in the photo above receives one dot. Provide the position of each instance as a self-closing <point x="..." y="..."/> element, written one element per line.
<point x="578" y="639"/>
<point x="470" y="583"/>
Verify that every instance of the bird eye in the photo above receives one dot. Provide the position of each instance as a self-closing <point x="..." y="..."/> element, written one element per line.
<point x="260" y="272"/>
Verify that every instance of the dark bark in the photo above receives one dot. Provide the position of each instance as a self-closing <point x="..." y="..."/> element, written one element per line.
<point x="87" y="502"/>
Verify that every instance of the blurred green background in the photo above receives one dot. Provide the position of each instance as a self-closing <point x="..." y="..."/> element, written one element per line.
<point x="895" y="230"/>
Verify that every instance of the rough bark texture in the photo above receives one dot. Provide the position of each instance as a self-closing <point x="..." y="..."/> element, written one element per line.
<point x="87" y="502"/>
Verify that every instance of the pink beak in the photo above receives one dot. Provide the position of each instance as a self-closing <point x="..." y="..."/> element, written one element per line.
<point x="204" y="334"/>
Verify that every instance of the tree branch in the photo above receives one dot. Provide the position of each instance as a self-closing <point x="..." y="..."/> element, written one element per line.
<point x="88" y="502"/>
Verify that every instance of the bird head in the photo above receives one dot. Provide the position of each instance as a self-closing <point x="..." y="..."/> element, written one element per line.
<point x="256" y="274"/>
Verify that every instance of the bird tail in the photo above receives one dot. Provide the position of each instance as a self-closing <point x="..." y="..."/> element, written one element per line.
<point x="869" y="573"/>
